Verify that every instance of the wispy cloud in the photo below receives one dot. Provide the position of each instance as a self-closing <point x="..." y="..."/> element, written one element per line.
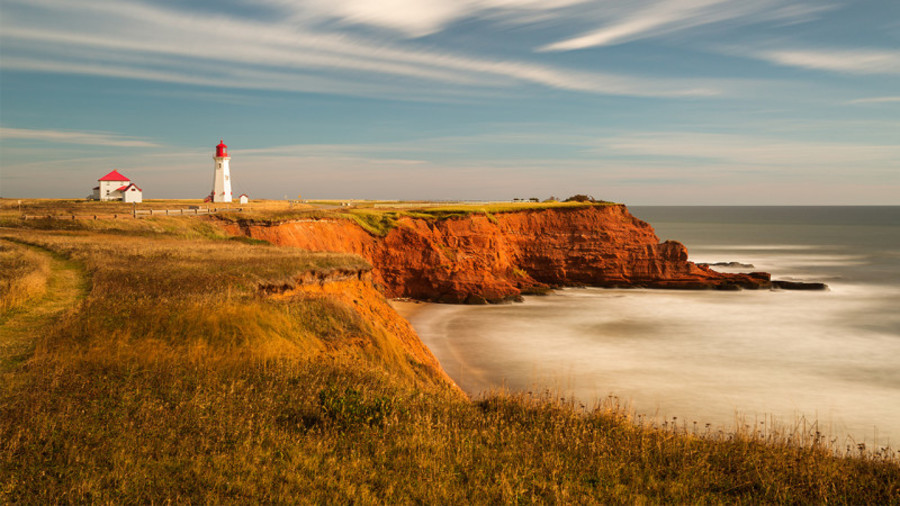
<point x="669" y="16"/>
<point x="133" y="40"/>
<point x="749" y="150"/>
<point x="86" y="138"/>
<point x="875" y="100"/>
<point x="655" y="167"/>
<point x="855" y="61"/>
<point x="643" y="151"/>
<point x="413" y="18"/>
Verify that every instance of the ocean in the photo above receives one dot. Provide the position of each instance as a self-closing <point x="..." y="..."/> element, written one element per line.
<point x="827" y="359"/>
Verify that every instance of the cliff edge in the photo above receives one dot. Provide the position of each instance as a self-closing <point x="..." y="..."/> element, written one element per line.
<point x="488" y="258"/>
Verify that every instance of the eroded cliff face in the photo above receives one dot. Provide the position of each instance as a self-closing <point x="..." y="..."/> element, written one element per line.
<point x="481" y="258"/>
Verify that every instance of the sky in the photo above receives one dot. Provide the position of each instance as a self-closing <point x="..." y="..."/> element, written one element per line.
<point x="673" y="102"/>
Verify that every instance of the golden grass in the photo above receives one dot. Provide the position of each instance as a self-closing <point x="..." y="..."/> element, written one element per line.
<point x="62" y="285"/>
<point x="179" y="380"/>
<point x="126" y="429"/>
<point x="52" y="213"/>
<point x="63" y="207"/>
<point x="23" y="275"/>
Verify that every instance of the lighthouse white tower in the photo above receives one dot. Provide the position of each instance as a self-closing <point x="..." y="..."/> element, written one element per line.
<point x="222" y="179"/>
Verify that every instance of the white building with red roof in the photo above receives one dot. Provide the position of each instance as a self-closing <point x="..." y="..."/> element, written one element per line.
<point x="115" y="186"/>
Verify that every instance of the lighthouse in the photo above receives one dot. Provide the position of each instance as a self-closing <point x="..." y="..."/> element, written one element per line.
<point x="222" y="177"/>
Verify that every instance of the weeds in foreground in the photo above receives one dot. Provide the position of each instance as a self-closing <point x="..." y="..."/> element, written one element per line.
<point x="126" y="429"/>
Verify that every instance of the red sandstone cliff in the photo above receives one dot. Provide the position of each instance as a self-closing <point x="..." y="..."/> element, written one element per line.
<point x="480" y="258"/>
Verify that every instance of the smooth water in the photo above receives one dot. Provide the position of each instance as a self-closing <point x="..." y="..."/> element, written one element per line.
<point x="709" y="356"/>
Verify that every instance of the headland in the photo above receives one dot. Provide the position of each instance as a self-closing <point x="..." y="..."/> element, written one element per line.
<point x="497" y="253"/>
<point x="190" y="364"/>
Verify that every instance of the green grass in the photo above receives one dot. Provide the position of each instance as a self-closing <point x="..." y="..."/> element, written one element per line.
<point x="378" y="224"/>
<point x="200" y="370"/>
<point x="509" y="207"/>
<point x="379" y="221"/>
<point x="36" y="288"/>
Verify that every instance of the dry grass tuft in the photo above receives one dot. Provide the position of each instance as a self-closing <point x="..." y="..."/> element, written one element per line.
<point x="23" y="275"/>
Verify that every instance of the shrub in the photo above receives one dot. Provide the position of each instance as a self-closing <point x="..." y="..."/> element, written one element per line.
<point x="350" y="408"/>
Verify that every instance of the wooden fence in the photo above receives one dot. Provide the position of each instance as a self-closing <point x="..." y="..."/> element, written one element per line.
<point x="136" y="213"/>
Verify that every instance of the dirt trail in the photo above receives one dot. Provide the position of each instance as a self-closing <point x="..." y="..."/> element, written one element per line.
<point x="20" y="328"/>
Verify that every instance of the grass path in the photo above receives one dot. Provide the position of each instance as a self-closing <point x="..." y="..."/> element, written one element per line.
<point x="20" y="328"/>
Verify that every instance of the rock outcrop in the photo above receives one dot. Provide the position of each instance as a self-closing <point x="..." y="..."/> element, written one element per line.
<point x="488" y="258"/>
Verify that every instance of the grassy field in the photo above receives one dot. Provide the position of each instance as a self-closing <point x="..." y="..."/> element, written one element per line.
<point x="62" y="207"/>
<point x="192" y="369"/>
<point x="23" y="275"/>
<point x="378" y="218"/>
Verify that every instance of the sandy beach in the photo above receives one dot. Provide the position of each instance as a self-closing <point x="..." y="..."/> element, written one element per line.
<point x="407" y="308"/>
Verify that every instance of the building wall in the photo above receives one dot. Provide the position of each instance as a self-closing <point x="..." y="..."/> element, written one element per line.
<point x="221" y="179"/>
<point x="133" y="195"/>
<point x="108" y="189"/>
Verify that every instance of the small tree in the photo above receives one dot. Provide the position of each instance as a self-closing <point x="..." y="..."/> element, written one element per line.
<point x="580" y="198"/>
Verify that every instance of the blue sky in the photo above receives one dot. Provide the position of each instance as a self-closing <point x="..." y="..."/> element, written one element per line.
<point x="642" y="102"/>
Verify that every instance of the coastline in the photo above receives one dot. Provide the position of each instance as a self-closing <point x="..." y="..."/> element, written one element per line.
<point x="707" y="355"/>
<point x="408" y="308"/>
<point x="308" y="372"/>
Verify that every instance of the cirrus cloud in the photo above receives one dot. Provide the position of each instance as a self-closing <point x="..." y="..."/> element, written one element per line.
<point x="130" y="39"/>
<point x="68" y="137"/>
<point x="850" y="61"/>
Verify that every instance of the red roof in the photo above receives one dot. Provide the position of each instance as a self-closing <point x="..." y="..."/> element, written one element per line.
<point x="244" y="195"/>
<point x="114" y="176"/>
<point x="221" y="149"/>
<point x="127" y="186"/>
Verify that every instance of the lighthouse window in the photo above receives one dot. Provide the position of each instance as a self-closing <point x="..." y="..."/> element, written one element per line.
<point x="226" y="178"/>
